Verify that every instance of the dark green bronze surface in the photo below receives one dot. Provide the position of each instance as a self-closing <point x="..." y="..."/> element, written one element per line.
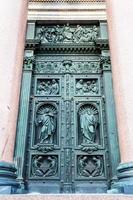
<point x="64" y="131"/>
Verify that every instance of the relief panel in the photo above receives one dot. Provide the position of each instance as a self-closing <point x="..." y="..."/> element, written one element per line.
<point x="48" y="87"/>
<point x="90" y="166"/>
<point x="67" y="34"/>
<point x="86" y="87"/>
<point x="67" y="66"/>
<point x="44" y="166"/>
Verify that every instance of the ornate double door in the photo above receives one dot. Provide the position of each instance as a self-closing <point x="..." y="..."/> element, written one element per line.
<point x="66" y="132"/>
<point x="69" y="143"/>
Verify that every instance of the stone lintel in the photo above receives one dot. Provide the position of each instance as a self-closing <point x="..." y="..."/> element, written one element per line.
<point x="66" y="197"/>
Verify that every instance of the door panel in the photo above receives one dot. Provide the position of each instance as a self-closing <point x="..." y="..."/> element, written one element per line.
<point x="69" y="145"/>
<point x="67" y="149"/>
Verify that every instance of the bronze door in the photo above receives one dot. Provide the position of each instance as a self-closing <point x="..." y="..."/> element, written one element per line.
<point x="65" y="128"/>
<point x="68" y="149"/>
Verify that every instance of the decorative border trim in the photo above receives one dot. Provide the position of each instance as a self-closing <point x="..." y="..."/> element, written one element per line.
<point x="89" y="1"/>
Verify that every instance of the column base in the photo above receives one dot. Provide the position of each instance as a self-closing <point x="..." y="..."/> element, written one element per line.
<point x="8" y="182"/>
<point x="124" y="183"/>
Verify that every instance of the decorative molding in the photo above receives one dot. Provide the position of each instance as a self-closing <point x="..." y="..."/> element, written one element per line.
<point x="70" y="10"/>
<point x="71" y="1"/>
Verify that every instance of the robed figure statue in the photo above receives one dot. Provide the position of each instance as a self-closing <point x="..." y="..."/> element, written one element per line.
<point x="88" y="125"/>
<point x="48" y="127"/>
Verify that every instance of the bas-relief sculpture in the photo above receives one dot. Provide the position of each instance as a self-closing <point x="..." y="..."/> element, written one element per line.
<point x="88" y="123"/>
<point x="67" y="66"/>
<point x="86" y="87"/>
<point x="46" y="124"/>
<point x="48" y="87"/>
<point x="67" y="34"/>
<point x="44" y="166"/>
<point x="48" y="127"/>
<point x="90" y="166"/>
<point x="45" y="128"/>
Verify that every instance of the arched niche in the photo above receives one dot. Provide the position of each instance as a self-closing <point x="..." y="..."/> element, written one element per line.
<point x="46" y="124"/>
<point x="88" y="124"/>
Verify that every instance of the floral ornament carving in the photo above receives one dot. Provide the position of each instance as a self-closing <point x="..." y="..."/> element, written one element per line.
<point x="106" y="62"/>
<point x="29" y="62"/>
<point x="68" y="66"/>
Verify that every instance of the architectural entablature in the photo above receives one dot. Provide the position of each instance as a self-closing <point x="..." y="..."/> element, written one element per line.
<point x="69" y="10"/>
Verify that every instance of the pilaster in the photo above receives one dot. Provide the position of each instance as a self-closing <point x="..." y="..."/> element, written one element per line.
<point x="119" y="14"/>
<point x="12" y="38"/>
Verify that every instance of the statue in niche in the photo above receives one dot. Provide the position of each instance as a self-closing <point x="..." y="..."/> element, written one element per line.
<point x="88" y="125"/>
<point x="44" y="166"/>
<point x="47" y="123"/>
<point x="90" y="166"/>
<point x="48" y="87"/>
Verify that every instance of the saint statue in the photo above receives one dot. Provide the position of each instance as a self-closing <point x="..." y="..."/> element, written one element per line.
<point x="88" y="126"/>
<point x="48" y="127"/>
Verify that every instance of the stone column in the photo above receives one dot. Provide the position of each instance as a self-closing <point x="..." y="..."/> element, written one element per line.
<point x="120" y="20"/>
<point x="13" y="17"/>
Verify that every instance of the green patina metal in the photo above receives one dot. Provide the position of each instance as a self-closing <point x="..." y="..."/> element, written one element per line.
<point x="66" y="134"/>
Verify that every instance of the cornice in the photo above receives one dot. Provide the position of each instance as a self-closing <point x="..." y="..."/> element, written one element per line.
<point x="89" y="1"/>
<point x="67" y="10"/>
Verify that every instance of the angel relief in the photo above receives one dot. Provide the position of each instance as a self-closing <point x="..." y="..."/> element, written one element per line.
<point x="46" y="128"/>
<point x="90" y="166"/>
<point x="44" y="166"/>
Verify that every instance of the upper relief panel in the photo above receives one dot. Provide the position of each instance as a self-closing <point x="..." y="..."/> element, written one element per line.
<point x="67" y="34"/>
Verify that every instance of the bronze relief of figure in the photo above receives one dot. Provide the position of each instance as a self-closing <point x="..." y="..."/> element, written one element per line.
<point x="44" y="166"/>
<point x="48" y="87"/>
<point x="90" y="166"/>
<point x="47" y="122"/>
<point x="87" y="87"/>
<point x="88" y="126"/>
<point x="54" y="87"/>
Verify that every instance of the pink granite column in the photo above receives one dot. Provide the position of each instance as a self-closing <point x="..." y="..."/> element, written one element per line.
<point x="120" y="23"/>
<point x="13" y="17"/>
